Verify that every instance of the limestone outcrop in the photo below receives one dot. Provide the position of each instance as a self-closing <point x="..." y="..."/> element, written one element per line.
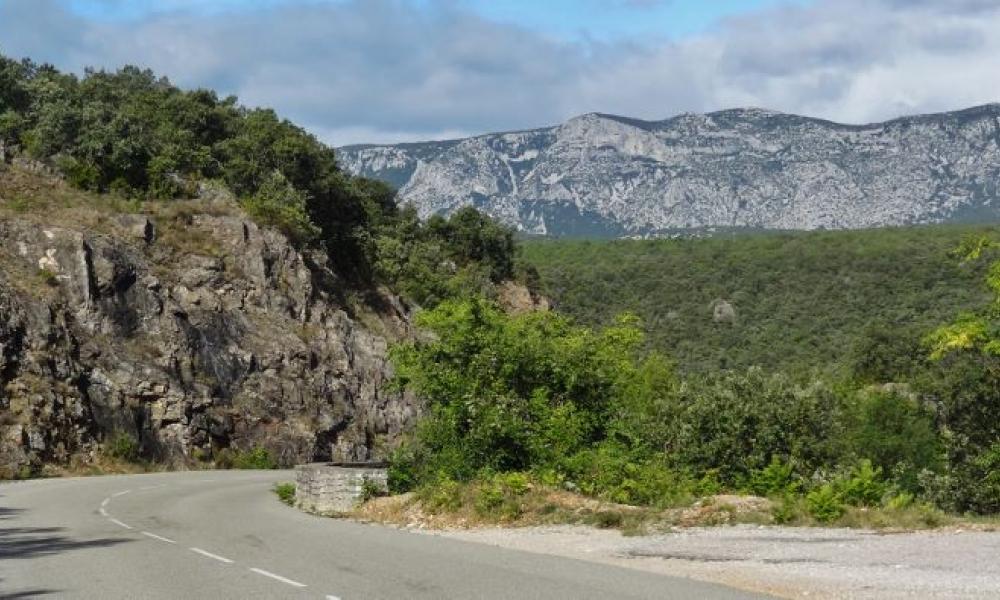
<point x="209" y="334"/>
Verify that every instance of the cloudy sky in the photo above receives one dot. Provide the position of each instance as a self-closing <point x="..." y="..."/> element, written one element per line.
<point x="400" y="70"/>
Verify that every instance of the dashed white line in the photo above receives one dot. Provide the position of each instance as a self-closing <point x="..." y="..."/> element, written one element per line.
<point x="158" y="537"/>
<point x="210" y="555"/>
<point x="120" y="524"/>
<point x="105" y="501"/>
<point x="103" y="512"/>
<point x="277" y="577"/>
<point x="332" y="598"/>
<point x="122" y="493"/>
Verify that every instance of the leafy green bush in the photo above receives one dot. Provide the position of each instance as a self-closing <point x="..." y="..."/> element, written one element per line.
<point x="825" y="504"/>
<point x="123" y="446"/>
<point x="501" y="494"/>
<point x="285" y="492"/>
<point x="371" y="489"/>
<point x="254" y="458"/>
<point x="440" y="495"/>
<point x="445" y="258"/>
<point x="510" y="393"/>
<point x="278" y="204"/>
<point x="735" y="423"/>
<point x="897" y="434"/>
<point x="862" y="486"/>
<point x="776" y="479"/>
<point x="611" y="472"/>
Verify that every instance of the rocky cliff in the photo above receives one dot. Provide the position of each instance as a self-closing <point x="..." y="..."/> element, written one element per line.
<point x="188" y="328"/>
<point x="747" y="168"/>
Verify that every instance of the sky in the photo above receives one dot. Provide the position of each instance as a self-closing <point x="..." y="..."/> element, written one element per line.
<point x="379" y="71"/>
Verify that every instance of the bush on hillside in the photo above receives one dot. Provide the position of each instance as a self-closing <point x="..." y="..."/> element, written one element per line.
<point x="511" y="393"/>
<point x="737" y="423"/>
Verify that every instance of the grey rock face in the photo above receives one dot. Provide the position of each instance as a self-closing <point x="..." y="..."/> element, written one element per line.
<point x="242" y="342"/>
<point x="747" y="168"/>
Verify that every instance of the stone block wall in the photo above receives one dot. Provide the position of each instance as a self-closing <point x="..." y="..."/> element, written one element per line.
<point x="325" y="488"/>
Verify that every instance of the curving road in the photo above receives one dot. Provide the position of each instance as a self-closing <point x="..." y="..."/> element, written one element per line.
<point x="220" y="535"/>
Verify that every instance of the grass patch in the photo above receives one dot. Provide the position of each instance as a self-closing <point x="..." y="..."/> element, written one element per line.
<point x="122" y="446"/>
<point x="254" y="458"/>
<point x="522" y="502"/>
<point x="285" y="492"/>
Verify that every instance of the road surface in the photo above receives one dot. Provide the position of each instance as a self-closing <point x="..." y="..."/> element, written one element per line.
<point x="223" y="534"/>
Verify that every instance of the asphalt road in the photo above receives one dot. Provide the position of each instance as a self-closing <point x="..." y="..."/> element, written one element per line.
<point x="220" y="535"/>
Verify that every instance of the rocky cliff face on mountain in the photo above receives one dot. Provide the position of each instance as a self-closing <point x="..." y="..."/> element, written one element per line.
<point x="612" y="176"/>
<point x="190" y="329"/>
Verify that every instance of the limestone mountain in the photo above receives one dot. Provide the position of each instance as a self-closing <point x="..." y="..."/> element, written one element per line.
<point x="606" y="175"/>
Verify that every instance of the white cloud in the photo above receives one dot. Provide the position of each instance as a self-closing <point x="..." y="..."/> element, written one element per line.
<point x="393" y="70"/>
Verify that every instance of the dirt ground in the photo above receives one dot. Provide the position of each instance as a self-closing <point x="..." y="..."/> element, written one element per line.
<point x="787" y="562"/>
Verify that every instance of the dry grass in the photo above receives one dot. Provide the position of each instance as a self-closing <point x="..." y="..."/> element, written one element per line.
<point x="461" y="507"/>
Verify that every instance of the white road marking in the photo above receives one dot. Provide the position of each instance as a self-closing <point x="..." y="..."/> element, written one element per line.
<point x="116" y="494"/>
<point x="103" y="512"/>
<point x="332" y="598"/>
<point x="210" y="555"/>
<point x="105" y="501"/>
<point x="119" y="523"/>
<point x="158" y="537"/>
<point x="278" y="577"/>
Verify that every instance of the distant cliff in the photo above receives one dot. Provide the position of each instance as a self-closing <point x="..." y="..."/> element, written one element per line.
<point x="746" y="168"/>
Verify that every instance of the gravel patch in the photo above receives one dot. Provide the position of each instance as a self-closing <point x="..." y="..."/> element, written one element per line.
<point x="788" y="562"/>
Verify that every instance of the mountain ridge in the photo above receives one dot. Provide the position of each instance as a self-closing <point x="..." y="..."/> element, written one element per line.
<point x="609" y="175"/>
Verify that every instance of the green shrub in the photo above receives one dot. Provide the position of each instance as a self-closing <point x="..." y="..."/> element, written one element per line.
<point x="786" y="510"/>
<point x="48" y="277"/>
<point x="255" y="458"/>
<point x="862" y="486"/>
<point x="442" y="495"/>
<point x="900" y="501"/>
<point x="285" y="492"/>
<point x="824" y="504"/>
<point x="776" y="479"/>
<point x="123" y="446"/>
<point x="501" y="495"/>
<point x="611" y="472"/>
<point x="278" y="204"/>
<point x="403" y="470"/>
<point x="371" y="489"/>
<point x="897" y="434"/>
<point x="608" y="519"/>
<point x="735" y="423"/>
<point x="510" y="393"/>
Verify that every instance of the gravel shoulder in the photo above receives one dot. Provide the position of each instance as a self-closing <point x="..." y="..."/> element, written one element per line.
<point x="787" y="562"/>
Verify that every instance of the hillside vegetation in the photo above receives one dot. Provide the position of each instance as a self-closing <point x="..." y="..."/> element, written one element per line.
<point x="187" y="281"/>
<point x="137" y="137"/>
<point x="800" y="301"/>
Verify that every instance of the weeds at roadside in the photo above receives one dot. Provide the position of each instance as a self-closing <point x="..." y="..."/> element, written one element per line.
<point x="285" y="492"/>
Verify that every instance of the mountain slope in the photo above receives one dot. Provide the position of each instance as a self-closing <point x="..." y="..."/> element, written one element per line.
<point x="746" y="168"/>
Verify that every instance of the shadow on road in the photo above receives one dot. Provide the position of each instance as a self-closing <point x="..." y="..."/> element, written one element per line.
<point x="18" y="543"/>
<point x="17" y="594"/>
